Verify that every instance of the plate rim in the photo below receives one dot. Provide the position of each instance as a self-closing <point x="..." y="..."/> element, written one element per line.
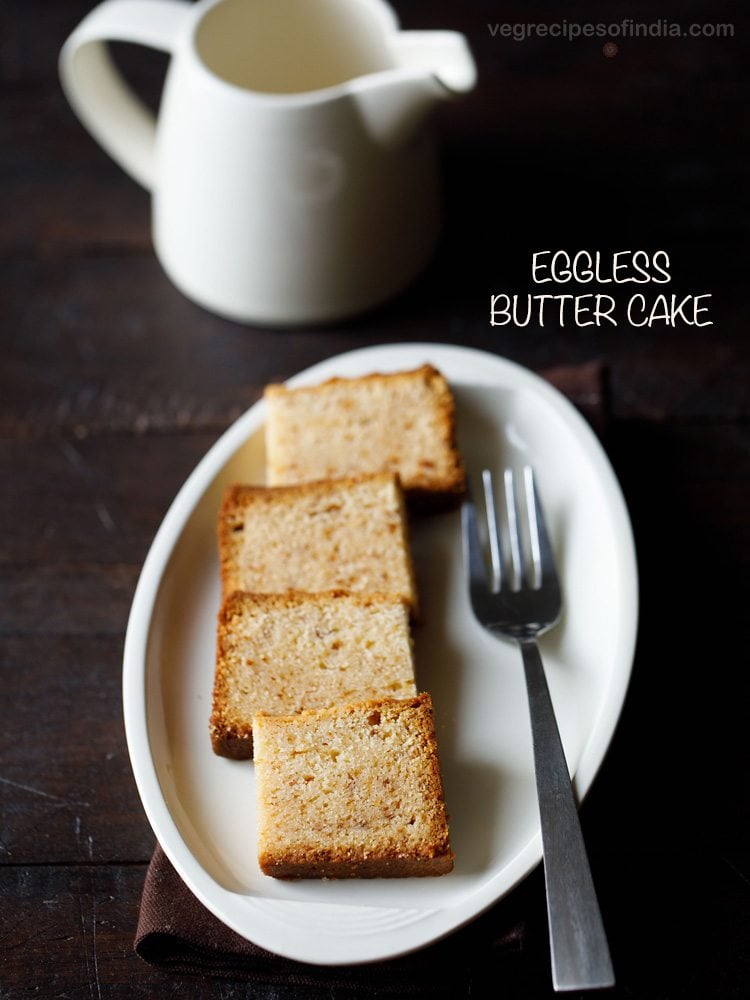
<point x="432" y="924"/>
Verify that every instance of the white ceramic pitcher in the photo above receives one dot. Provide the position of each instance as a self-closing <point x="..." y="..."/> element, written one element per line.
<point x="292" y="167"/>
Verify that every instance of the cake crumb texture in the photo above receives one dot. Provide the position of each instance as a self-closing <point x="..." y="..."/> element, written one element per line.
<point x="345" y="534"/>
<point x="354" y="790"/>
<point x="402" y="422"/>
<point x="286" y="653"/>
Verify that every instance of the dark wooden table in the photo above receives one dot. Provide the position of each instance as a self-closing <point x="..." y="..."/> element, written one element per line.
<point x="113" y="385"/>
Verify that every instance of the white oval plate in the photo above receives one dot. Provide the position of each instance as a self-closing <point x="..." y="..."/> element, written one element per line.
<point x="202" y="807"/>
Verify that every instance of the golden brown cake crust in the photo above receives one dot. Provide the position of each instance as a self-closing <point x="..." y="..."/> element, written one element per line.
<point x="389" y="821"/>
<point x="323" y="865"/>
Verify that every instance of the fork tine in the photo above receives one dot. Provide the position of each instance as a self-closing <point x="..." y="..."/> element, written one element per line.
<point x="475" y="563"/>
<point x="496" y="554"/>
<point x="516" y="552"/>
<point x="541" y="548"/>
<point x="532" y="504"/>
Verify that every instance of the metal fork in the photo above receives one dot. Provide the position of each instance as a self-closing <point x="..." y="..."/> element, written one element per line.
<point x="520" y="599"/>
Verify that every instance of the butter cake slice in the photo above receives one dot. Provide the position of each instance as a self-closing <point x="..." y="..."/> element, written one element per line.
<point x="352" y="791"/>
<point x="285" y="653"/>
<point x="345" y="534"/>
<point x="402" y="422"/>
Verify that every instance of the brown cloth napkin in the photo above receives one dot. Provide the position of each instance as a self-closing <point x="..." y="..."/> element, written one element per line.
<point x="177" y="935"/>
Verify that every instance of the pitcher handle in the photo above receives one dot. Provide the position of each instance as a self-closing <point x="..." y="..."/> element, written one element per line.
<point x="119" y="121"/>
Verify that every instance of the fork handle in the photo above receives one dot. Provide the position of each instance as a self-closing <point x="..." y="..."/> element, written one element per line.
<point x="578" y="943"/>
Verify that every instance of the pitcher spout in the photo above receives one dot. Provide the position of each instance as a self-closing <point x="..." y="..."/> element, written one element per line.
<point x="445" y="55"/>
<point x="428" y="66"/>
